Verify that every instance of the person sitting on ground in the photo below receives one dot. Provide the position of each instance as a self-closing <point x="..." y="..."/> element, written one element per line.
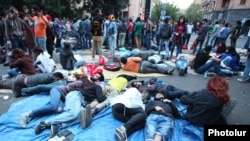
<point x="26" y="81"/>
<point x="19" y="61"/>
<point x="67" y="59"/>
<point x="128" y="108"/>
<point x="58" y="95"/>
<point x="205" y="106"/>
<point x="229" y="61"/>
<point x="136" y="64"/>
<point x="153" y="87"/>
<point x="43" y="62"/>
<point x="203" y="62"/>
<point x="160" y="121"/>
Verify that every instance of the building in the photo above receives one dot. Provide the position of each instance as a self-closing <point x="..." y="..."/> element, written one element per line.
<point x="137" y="8"/>
<point x="226" y="10"/>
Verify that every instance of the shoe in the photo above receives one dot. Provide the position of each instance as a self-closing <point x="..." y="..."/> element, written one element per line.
<point x="54" y="128"/>
<point x="6" y="64"/>
<point x="205" y="75"/>
<point x="40" y="127"/>
<point x="86" y="117"/>
<point x="241" y="80"/>
<point x="170" y="71"/>
<point x="120" y="133"/>
<point x="24" y="119"/>
<point x="182" y="72"/>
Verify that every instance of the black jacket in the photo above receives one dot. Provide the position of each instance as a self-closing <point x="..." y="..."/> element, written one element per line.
<point x="203" y="108"/>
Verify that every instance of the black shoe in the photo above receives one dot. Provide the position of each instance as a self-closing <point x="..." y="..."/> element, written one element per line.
<point x="40" y="127"/>
<point x="54" y="128"/>
<point x="6" y="64"/>
<point x="182" y="72"/>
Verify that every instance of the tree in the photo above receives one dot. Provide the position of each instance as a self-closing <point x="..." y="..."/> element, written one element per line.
<point x="193" y="13"/>
<point x="171" y="10"/>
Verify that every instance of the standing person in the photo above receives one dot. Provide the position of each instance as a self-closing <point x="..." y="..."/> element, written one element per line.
<point x="97" y="22"/>
<point x="129" y="109"/>
<point x="235" y="33"/>
<point x="202" y="33"/>
<point x="138" y="32"/>
<point x="190" y="28"/>
<point x="105" y="31"/>
<point x="15" y="30"/>
<point x="50" y="34"/>
<point x="160" y="121"/>
<point x="246" y="71"/>
<point x="2" y="28"/>
<point x="122" y="28"/>
<point x="224" y="32"/>
<point x="247" y="43"/>
<point x="205" y="106"/>
<point x="213" y="40"/>
<point x="40" y="26"/>
<point x="130" y="30"/>
<point x="58" y="32"/>
<point x="179" y="32"/>
<point x="165" y="35"/>
<point x="112" y="31"/>
<point x="148" y="33"/>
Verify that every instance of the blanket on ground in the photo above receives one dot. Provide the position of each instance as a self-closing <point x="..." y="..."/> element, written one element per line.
<point x="101" y="129"/>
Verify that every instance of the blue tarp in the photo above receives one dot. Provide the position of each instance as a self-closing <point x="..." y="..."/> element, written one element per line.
<point x="101" y="129"/>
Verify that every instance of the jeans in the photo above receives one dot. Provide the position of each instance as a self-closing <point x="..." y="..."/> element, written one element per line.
<point x="132" y="53"/>
<point x="246" y="70"/>
<point x="148" y="41"/>
<point x="13" y="72"/>
<point x="112" y="44"/>
<point x="121" y="39"/>
<point x="41" y="42"/>
<point x="134" y="118"/>
<point x="181" y="64"/>
<point x="210" y="65"/>
<point x="52" y="106"/>
<point x="18" y="43"/>
<point x="166" y="43"/>
<point x="158" y="124"/>
<point x="42" y="88"/>
<point x="147" y="67"/>
<point x="71" y="111"/>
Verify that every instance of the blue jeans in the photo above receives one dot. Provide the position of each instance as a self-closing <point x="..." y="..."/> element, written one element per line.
<point x="71" y="111"/>
<point x="210" y="65"/>
<point x="181" y="64"/>
<point x="41" y="42"/>
<point x="42" y="88"/>
<point x="158" y="124"/>
<point x="246" y="70"/>
<point x="112" y="44"/>
<point x="13" y="72"/>
<point x="18" y="43"/>
<point x="132" y="53"/>
<point x="52" y="106"/>
<point x="148" y="41"/>
<point x="166" y="42"/>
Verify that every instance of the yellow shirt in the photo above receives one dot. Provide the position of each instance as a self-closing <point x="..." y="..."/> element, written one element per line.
<point x="118" y="83"/>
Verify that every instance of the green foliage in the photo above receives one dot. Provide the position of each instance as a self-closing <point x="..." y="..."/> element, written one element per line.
<point x="193" y="13"/>
<point x="171" y="10"/>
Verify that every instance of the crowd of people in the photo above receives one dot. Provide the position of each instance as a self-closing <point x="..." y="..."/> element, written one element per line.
<point x="139" y="104"/>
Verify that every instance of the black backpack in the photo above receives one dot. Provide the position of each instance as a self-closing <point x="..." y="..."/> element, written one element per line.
<point x="166" y="31"/>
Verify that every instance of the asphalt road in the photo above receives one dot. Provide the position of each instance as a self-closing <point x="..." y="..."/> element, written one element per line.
<point x="190" y="82"/>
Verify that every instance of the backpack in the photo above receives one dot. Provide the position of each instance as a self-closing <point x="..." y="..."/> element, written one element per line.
<point x="111" y="29"/>
<point x="96" y="25"/>
<point x="166" y="31"/>
<point x="112" y="67"/>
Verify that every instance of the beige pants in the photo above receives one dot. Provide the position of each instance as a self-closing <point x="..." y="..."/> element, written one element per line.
<point x="97" y="41"/>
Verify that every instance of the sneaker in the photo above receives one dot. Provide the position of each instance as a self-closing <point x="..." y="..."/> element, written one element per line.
<point x="241" y="80"/>
<point x="54" y="128"/>
<point x="40" y="127"/>
<point x="170" y="71"/>
<point x="120" y="133"/>
<point x="24" y="119"/>
<point x="86" y="116"/>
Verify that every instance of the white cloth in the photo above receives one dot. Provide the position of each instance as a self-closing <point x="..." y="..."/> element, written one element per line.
<point x="47" y="64"/>
<point x="131" y="98"/>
